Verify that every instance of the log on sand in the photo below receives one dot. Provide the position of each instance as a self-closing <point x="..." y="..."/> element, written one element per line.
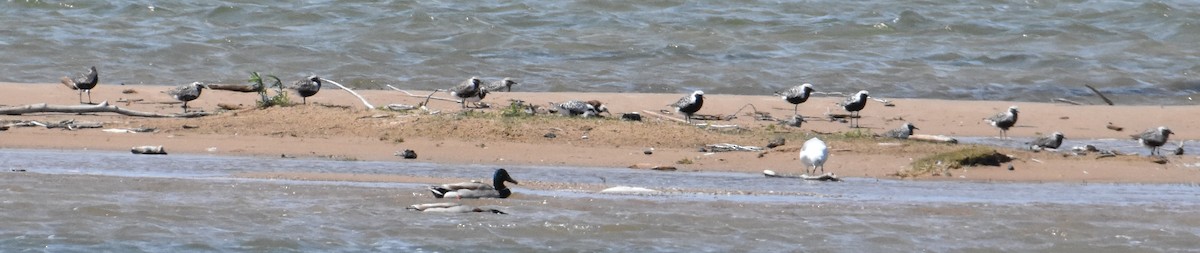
<point x="102" y="107"/>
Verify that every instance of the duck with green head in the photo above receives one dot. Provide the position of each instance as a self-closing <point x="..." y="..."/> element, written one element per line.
<point x="476" y="189"/>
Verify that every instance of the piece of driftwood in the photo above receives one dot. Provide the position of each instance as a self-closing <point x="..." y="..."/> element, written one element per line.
<point x="727" y="147"/>
<point x="232" y="87"/>
<point x="664" y="116"/>
<point x="130" y="130"/>
<point x="69" y="124"/>
<point x="102" y="107"/>
<point x="932" y="138"/>
<point x="1064" y="100"/>
<point x="1109" y="102"/>
<point x="427" y="97"/>
<point x="148" y="150"/>
<point x="829" y="177"/>
<point x="1110" y="126"/>
<point x="360" y="97"/>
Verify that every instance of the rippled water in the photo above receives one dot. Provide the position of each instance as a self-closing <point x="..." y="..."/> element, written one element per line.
<point x="109" y="201"/>
<point x="1137" y="51"/>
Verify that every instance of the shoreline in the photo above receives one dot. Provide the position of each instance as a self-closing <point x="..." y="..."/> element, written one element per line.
<point x="313" y="131"/>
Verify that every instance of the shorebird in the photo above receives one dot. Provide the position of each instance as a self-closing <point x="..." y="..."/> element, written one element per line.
<point x="854" y="104"/>
<point x="476" y="189"/>
<point x="450" y="207"/>
<point x="689" y="105"/>
<point x="576" y="108"/>
<point x="307" y="87"/>
<point x="84" y="83"/>
<point x="1004" y="120"/>
<point x="1153" y="138"/>
<point x="187" y="92"/>
<point x="505" y="84"/>
<point x="1052" y="141"/>
<point x="813" y="154"/>
<point x="600" y="107"/>
<point x="796" y="96"/>
<point x="903" y="132"/>
<point x="468" y="91"/>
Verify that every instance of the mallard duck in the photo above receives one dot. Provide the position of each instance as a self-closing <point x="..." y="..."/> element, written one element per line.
<point x="476" y="189"/>
<point x="450" y="207"/>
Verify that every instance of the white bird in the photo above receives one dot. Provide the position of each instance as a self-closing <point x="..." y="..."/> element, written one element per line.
<point x="450" y="207"/>
<point x="1004" y="121"/>
<point x="1154" y="138"/>
<point x="476" y="189"/>
<point x="689" y="105"/>
<point x="813" y="154"/>
<point x="796" y="96"/>
<point x="854" y="104"/>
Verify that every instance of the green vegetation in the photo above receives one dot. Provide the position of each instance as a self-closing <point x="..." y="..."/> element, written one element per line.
<point x="968" y="156"/>
<point x="279" y="99"/>
<point x="684" y="161"/>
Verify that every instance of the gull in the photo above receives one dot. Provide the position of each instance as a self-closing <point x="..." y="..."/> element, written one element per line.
<point x="1004" y="120"/>
<point x="903" y="132"/>
<point x="854" y="104"/>
<point x="84" y="83"/>
<point x="187" y="92"/>
<point x="796" y="96"/>
<point x="689" y="105"/>
<point x="1052" y="141"/>
<point x="813" y="154"/>
<point x="468" y="91"/>
<point x="307" y="87"/>
<point x="1153" y="138"/>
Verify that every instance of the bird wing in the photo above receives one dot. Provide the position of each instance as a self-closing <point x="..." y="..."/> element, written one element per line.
<point x="473" y="193"/>
<point x="684" y="101"/>
<point x="1145" y="135"/>
<point x="1043" y="141"/>
<point x="474" y="185"/>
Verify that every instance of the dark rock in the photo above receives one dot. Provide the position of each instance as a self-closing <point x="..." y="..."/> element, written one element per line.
<point x="1010" y="167"/>
<point x="648" y="151"/>
<point x="778" y="141"/>
<point x="795" y="121"/>
<point x="550" y="135"/>
<point x="409" y="154"/>
<point x="631" y="116"/>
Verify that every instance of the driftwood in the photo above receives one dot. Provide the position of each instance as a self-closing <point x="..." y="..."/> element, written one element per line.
<point x="148" y="150"/>
<point x="830" y="177"/>
<point x="427" y="97"/>
<point x="664" y="116"/>
<point x="232" y="87"/>
<point x="727" y="147"/>
<point x="69" y="124"/>
<point x="360" y="97"/>
<point x="1099" y="94"/>
<point x="102" y="107"/>
<point x="1064" y="100"/>
<point x="932" y="138"/>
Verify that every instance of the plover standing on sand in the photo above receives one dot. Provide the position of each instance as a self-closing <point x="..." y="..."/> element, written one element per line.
<point x="1154" y="138"/>
<point x="307" y="87"/>
<point x="689" y="105"/>
<point x="84" y="83"/>
<point x="1004" y="120"/>
<point x="187" y="92"/>
<point x="468" y="91"/>
<point x="813" y="154"/>
<point x="854" y="104"/>
<point x="796" y="96"/>
<point x="1052" y="141"/>
<point x="505" y="84"/>
<point x="903" y="132"/>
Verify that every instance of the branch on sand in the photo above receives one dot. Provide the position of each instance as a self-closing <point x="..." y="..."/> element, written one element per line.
<point x="360" y="97"/>
<point x="1099" y="94"/>
<point x="427" y="97"/>
<point x="102" y="107"/>
<point x="232" y="87"/>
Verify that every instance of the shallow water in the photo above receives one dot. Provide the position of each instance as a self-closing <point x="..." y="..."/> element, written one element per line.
<point x="111" y="201"/>
<point x="1135" y="51"/>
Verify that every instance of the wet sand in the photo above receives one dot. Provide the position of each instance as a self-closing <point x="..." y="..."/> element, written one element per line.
<point x="451" y="137"/>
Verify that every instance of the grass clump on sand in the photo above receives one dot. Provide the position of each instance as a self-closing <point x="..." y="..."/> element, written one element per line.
<point x="943" y="162"/>
<point x="279" y="99"/>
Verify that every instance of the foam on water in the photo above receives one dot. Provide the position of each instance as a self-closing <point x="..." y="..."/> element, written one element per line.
<point x="1136" y="51"/>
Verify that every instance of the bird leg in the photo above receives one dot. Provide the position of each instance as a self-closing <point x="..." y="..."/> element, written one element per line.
<point x="89" y="92"/>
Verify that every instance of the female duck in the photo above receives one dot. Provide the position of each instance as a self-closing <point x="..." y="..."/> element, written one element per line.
<point x="476" y="189"/>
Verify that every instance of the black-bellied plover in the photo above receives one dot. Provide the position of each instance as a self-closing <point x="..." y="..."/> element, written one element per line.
<point x="307" y="87"/>
<point x="502" y="84"/>
<point x="1004" y="121"/>
<point x="854" y="104"/>
<point x="813" y="155"/>
<point x="1153" y="138"/>
<point x="187" y="92"/>
<point x="84" y="83"/>
<point x="903" y="132"/>
<point x="467" y="91"/>
<point x="1052" y="141"/>
<point x="576" y="108"/>
<point x="689" y="105"/>
<point x="476" y="189"/>
<point x="600" y="107"/>
<point x="451" y="207"/>
<point x="796" y="96"/>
